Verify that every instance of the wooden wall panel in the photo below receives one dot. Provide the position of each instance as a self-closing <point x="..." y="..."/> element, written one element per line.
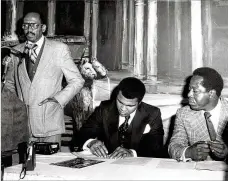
<point x="109" y="35"/>
<point x="174" y="40"/>
<point x="219" y="18"/>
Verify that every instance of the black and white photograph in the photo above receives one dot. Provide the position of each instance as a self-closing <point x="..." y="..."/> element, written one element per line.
<point x="77" y="163"/>
<point x="122" y="89"/>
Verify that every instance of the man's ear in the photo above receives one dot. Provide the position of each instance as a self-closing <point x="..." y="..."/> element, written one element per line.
<point x="44" y="27"/>
<point x="212" y="93"/>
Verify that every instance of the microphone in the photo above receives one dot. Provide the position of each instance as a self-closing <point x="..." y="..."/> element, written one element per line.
<point x="7" y="60"/>
<point x="5" y="70"/>
<point x="14" y="51"/>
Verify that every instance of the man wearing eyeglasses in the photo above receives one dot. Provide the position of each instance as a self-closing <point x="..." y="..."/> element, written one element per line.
<point x="37" y="80"/>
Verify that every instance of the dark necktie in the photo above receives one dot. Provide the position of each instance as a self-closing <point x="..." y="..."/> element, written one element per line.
<point x="123" y="131"/>
<point x="210" y="126"/>
<point x="30" y="50"/>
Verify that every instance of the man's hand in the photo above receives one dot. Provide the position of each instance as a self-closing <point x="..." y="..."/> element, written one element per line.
<point x="50" y="99"/>
<point x="219" y="149"/>
<point x="198" y="151"/>
<point x="98" y="148"/>
<point x="121" y="152"/>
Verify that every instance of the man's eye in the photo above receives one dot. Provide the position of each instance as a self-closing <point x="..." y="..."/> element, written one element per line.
<point x="36" y="25"/>
<point x="196" y="92"/>
<point x="121" y="103"/>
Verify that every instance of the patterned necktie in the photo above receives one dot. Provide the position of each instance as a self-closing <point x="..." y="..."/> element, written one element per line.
<point x="123" y="131"/>
<point x="210" y="126"/>
<point x="30" y="50"/>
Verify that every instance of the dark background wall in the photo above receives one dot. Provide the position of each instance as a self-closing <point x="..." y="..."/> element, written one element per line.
<point x="3" y="17"/>
<point x="70" y="18"/>
<point x="106" y="34"/>
<point x="168" y="65"/>
<point x="219" y="16"/>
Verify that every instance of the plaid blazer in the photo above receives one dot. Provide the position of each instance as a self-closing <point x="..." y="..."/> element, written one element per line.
<point x="190" y="127"/>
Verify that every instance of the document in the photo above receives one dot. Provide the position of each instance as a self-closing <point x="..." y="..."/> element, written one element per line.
<point x="202" y="165"/>
<point x="211" y="165"/>
<point x="140" y="161"/>
<point x="173" y="164"/>
<point x="85" y="153"/>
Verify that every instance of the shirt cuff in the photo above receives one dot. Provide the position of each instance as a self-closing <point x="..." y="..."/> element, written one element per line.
<point x="85" y="146"/>
<point x="134" y="153"/>
<point x="183" y="158"/>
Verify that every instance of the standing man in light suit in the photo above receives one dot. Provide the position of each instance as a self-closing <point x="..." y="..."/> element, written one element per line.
<point x="37" y="80"/>
<point x="194" y="137"/>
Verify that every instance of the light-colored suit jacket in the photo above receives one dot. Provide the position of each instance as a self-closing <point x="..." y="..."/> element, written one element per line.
<point x="190" y="127"/>
<point x="55" y="62"/>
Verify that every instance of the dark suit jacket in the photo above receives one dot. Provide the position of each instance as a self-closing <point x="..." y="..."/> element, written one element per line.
<point x="103" y="125"/>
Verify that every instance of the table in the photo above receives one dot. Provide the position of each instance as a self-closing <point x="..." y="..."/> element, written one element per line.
<point x="124" y="169"/>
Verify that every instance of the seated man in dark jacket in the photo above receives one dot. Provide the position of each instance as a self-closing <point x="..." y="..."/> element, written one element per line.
<point x="124" y="126"/>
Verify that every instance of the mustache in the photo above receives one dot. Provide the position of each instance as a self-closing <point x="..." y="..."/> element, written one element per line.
<point x="30" y="33"/>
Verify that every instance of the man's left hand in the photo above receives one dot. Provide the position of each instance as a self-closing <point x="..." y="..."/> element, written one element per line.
<point x="50" y="99"/>
<point x="121" y="152"/>
<point x="219" y="149"/>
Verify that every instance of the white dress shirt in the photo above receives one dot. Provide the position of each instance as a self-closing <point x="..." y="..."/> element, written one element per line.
<point x="39" y="44"/>
<point x="122" y="119"/>
<point x="215" y="113"/>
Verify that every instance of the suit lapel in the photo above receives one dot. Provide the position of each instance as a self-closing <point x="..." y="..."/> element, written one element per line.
<point x="223" y="118"/>
<point x="22" y="66"/>
<point x="113" y="123"/>
<point x="137" y="127"/>
<point x="44" y="60"/>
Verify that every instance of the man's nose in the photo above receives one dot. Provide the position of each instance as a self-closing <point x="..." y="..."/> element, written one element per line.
<point x="123" y="107"/>
<point x="190" y="93"/>
<point x="30" y="28"/>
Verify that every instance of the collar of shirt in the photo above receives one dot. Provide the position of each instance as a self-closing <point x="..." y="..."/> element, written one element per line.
<point x="122" y="119"/>
<point x="215" y="113"/>
<point x="39" y="44"/>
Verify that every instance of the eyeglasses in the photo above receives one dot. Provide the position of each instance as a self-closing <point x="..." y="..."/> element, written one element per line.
<point x="33" y="26"/>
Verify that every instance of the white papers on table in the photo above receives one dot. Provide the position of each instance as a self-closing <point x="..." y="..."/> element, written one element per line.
<point x="202" y="165"/>
<point x="85" y="153"/>
<point x="140" y="161"/>
<point x="172" y="164"/>
<point x="163" y="163"/>
<point x="211" y="165"/>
